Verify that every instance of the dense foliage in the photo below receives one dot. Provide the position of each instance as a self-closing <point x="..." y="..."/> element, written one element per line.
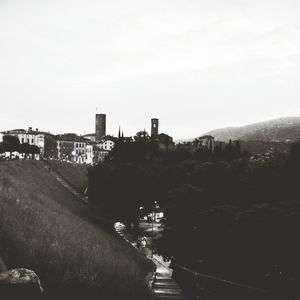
<point x="12" y="144"/>
<point x="226" y="214"/>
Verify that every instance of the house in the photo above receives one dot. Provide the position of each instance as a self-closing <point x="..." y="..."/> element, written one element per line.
<point x="106" y="143"/>
<point x="97" y="151"/>
<point x="164" y="142"/>
<point x="72" y="147"/>
<point x="103" y="147"/>
<point x="205" y="141"/>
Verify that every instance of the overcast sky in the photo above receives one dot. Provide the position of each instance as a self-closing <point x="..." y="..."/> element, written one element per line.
<point x="195" y="64"/>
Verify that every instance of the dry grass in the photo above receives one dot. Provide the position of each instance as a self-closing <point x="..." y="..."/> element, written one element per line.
<point x="44" y="228"/>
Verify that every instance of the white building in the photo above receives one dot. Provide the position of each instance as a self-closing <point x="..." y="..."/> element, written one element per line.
<point x="32" y="137"/>
<point x="83" y="149"/>
<point x="89" y="154"/>
<point x="107" y="145"/>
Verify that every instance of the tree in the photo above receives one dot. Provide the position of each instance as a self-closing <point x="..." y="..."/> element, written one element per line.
<point x="14" y="143"/>
<point x="25" y="149"/>
<point x="50" y="149"/>
<point x="7" y="146"/>
<point x="143" y="148"/>
<point x="34" y="150"/>
<point x="121" y="189"/>
<point x="294" y="156"/>
<point x="1" y="148"/>
<point x="238" y="146"/>
<point x="142" y="136"/>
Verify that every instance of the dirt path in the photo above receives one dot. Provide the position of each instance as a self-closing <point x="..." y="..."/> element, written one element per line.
<point x="163" y="285"/>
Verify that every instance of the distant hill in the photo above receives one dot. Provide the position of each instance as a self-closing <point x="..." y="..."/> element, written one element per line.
<point x="279" y="130"/>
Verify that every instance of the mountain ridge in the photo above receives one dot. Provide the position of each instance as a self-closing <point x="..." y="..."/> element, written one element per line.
<point x="284" y="129"/>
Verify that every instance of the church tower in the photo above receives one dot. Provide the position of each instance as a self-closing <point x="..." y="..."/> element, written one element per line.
<point x="154" y="127"/>
<point x="100" y="131"/>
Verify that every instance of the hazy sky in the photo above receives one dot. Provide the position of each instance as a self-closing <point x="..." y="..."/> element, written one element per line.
<point x="195" y="64"/>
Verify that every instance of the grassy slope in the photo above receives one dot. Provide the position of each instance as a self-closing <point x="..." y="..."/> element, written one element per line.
<point x="44" y="228"/>
<point x="75" y="174"/>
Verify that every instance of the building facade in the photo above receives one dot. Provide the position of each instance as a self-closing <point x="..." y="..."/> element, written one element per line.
<point x="72" y="147"/>
<point x="165" y="142"/>
<point x="104" y="147"/>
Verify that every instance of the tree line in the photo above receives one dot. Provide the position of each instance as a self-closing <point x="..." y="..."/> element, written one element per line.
<point x="12" y="144"/>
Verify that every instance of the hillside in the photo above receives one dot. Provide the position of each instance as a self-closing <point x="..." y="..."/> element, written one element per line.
<point x="45" y="228"/>
<point x="281" y="130"/>
<point x="74" y="174"/>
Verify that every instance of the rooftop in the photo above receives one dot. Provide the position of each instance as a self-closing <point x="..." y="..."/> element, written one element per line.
<point x="72" y="137"/>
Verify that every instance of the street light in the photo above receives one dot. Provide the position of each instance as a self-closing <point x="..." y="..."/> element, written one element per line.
<point x="153" y="217"/>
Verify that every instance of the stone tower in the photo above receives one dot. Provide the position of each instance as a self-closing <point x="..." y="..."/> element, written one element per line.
<point x="154" y="127"/>
<point x="100" y="127"/>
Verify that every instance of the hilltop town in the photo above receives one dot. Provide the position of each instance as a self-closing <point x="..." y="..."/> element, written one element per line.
<point x="87" y="149"/>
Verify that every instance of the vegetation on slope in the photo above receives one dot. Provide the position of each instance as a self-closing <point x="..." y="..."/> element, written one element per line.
<point x="44" y="228"/>
<point x="75" y="174"/>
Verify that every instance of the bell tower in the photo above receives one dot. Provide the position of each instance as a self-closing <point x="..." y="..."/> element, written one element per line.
<point x="154" y="127"/>
<point x="100" y="131"/>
